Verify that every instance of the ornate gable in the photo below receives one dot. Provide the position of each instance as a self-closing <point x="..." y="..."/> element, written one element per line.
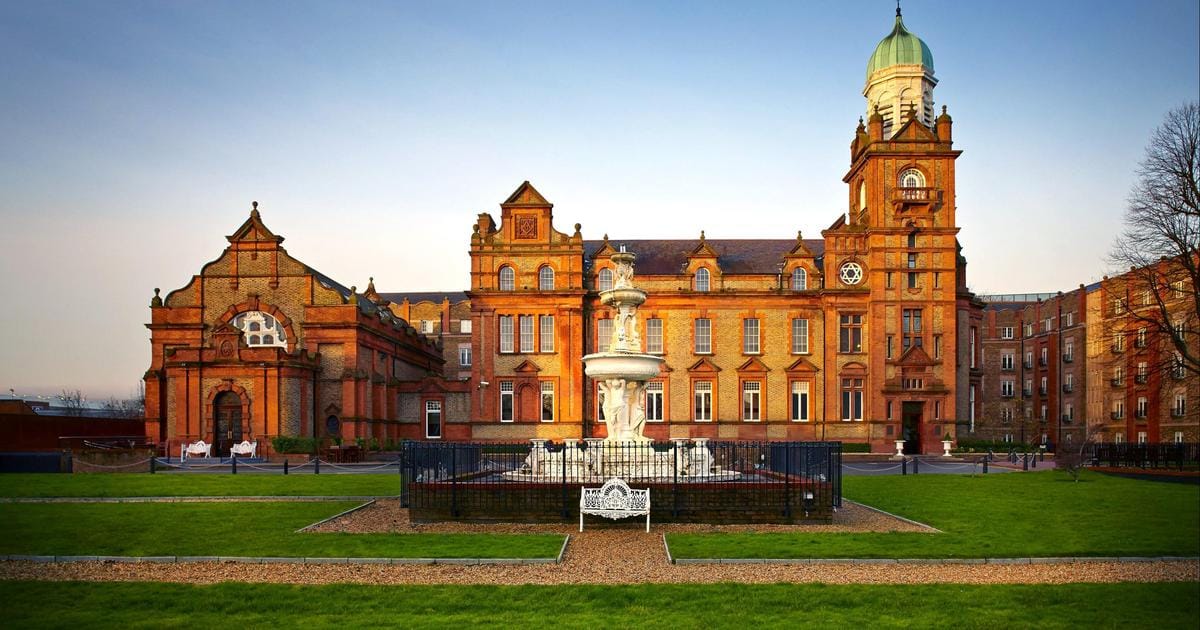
<point x="802" y="366"/>
<point x="254" y="230"/>
<point x="527" y="367"/>
<point x="526" y="196"/>
<point x="914" y="131"/>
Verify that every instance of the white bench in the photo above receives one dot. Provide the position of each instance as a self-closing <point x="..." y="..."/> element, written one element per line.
<point x="199" y="447"/>
<point x="245" y="449"/>
<point x="615" y="499"/>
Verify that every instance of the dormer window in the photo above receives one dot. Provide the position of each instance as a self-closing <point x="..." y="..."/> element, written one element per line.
<point x="702" y="279"/>
<point x="508" y="278"/>
<point x="604" y="280"/>
<point x="546" y="278"/>
<point x="261" y="330"/>
<point x="799" y="279"/>
<point x="912" y="178"/>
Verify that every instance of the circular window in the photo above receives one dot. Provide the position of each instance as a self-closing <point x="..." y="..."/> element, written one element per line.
<point x="851" y="273"/>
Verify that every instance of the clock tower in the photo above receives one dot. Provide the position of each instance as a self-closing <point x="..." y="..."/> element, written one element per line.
<point x="892" y="260"/>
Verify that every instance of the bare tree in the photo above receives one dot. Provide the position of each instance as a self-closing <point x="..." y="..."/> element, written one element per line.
<point x="1072" y="458"/>
<point x="72" y="401"/>
<point x="1161" y="239"/>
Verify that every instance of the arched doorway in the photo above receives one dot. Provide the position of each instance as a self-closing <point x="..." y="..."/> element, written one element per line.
<point x="227" y="421"/>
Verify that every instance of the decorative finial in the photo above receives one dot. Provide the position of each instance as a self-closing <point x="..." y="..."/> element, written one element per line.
<point x="897" y="8"/>
<point x="578" y="227"/>
<point x="371" y="280"/>
<point x="799" y="235"/>
<point x="701" y="236"/>
<point x="943" y="110"/>
<point x="156" y="300"/>
<point x="475" y="228"/>
<point x="606" y="238"/>
<point x="353" y="295"/>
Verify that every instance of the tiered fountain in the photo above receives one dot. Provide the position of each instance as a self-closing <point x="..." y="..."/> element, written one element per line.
<point x="621" y="373"/>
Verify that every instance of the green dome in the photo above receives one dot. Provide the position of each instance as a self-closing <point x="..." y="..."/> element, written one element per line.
<point x="900" y="47"/>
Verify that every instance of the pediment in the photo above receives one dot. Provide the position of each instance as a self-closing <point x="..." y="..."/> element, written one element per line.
<point x="800" y="250"/>
<point x="253" y="229"/>
<point x="854" y="367"/>
<point x="914" y="130"/>
<point x="915" y="356"/>
<point x="526" y="195"/>
<point x="753" y="364"/>
<point x="803" y="366"/>
<point x="703" y="249"/>
<point x="527" y="367"/>
<point x="606" y="249"/>
<point x="704" y="366"/>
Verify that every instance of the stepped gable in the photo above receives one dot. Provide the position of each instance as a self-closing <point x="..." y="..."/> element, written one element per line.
<point x="670" y="256"/>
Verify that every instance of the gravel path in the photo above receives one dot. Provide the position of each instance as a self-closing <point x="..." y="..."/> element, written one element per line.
<point x="617" y="553"/>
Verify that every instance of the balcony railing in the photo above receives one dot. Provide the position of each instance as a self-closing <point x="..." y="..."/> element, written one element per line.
<point x="1027" y="392"/>
<point x="1139" y="343"/>
<point x="1042" y="391"/>
<point x="916" y="194"/>
<point x="1118" y="349"/>
<point x="1004" y="394"/>
<point x="1141" y="379"/>
<point x="1042" y="362"/>
<point x="1028" y="364"/>
<point x="1006" y="368"/>
<point x="1117" y="382"/>
<point x="1067" y="418"/>
<point x="1140" y="415"/>
<point x="1177" y="413"/>
<point x="1117" y="415"/>
<point x="1068" y="358"/>
<point x="1068" y="388"/>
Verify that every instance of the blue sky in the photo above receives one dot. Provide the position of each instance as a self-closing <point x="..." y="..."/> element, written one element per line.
<point x="135" y="136"/>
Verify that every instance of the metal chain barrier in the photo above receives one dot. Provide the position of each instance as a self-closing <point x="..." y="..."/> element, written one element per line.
<point x="871" y="470"/>
<point x="78" y="461"/>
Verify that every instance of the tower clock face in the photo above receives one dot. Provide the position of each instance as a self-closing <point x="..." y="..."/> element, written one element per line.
<point x="851" y="273"/>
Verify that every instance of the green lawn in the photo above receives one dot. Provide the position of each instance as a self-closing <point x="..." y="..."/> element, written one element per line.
<point x="1010" y="515"/>
<point x="232" y="529"/>
<point x="195" y="484"/>
<point x="153" y="605"/>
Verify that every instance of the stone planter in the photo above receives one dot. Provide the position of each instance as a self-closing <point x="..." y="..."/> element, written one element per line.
<point x="899" y="448"/>
<point x="946" y="448"/>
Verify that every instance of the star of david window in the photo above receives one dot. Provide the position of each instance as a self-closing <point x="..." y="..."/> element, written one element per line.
<point x="851" y="273"/>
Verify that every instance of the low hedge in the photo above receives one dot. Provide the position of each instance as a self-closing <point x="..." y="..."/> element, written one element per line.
<point x="289" y="444"/>
<point x="856" y="447"/>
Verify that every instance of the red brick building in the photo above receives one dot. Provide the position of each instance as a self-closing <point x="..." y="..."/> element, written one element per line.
<point x="258" y="344"/>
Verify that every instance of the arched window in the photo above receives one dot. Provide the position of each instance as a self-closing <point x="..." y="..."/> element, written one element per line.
<point x="261" y="329"/>
<point x="862" y="195"/>
<point x="546" y="278"/>
<point x="604" y="280"/>
<point x="799" y="279"/>
<point x="702" y="279"/>
<point x="912" y="178"/>
<point x="508" y="278"/>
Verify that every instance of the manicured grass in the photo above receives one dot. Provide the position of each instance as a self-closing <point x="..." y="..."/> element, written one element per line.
<point x="232" y="529"/>
<point x="140" y="605"/>
<point x="195" y="484"/>
<point x="1011" y="515"/>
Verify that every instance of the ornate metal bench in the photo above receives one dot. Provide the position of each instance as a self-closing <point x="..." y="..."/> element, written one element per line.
<point x="245" y="449"/>
<point x="615" y="499"/>
<point x="199" y="447"/>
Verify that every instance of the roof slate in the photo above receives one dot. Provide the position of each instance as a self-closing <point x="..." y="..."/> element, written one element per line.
<point x="670" y="256"/>
<point x="426" y="296"/>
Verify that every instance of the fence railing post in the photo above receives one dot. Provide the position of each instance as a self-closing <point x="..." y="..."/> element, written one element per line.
<point x="316" y="465"/>
<point x="985" y="465"/>
<point x="565" y="514"/>
<point x="903" y="466"/>
<point x="675" y="487"/>
<point x="285" y="465"/>
<point x="454" y="480"/>
<point x="153" y="461"/>
<point x="916" y="465"/>
<point x="234" y="469"/>
<point x="787" y="481"/>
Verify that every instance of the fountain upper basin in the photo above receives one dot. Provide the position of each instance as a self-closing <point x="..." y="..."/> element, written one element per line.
<point x="626" y="365"/>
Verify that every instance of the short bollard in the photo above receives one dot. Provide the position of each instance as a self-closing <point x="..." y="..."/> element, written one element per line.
<point x="1025" y="462"/>
<point x="904" y="467"/>
<point x="1034" y="458"/>
<point x="985" y="465"/>
<point x="234" y="470"/>
<point x="285" y="466"/>
<point x="153" y="461"/>
<point x="916" y="465"/>
<point x="316" y="465"/>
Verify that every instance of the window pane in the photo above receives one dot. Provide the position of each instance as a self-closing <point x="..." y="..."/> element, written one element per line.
<point x="703" y="336"/>
<point x="799" y="279"/>
<point x="546" y="279"/>
<point x="603" y="334"/>
<point x="654" y="335"/>
<point x="527" y="333"/>
<point x="506" y="333"/>
<point x="702" y="279"/>
<point x="507" y="278"/>
<point x="546" y="333"/>
<point x="750" y="336"/>
<point x="799" y="336"/>
<point x="604" y="281"/>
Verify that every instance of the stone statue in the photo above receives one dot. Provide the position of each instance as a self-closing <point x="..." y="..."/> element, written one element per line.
<point x="614" y="404"/>
<point x="624" y="274"/>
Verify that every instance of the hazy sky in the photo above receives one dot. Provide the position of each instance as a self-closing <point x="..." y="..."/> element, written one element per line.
<point x="133" y="137"/>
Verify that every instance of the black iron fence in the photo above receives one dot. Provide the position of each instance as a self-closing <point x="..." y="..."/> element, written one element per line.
<point x="690" y="481"/>
<point x="1132" y="455"/>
